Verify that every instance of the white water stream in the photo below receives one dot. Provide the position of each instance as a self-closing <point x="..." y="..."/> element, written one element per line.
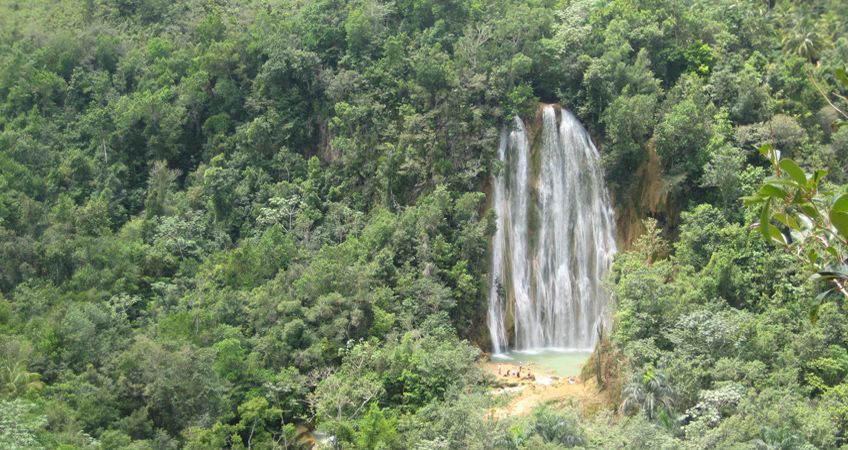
<point x="554" y="241"/>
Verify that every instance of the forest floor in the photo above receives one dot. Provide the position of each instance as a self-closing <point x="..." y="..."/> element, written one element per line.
<point x="526" y="392"/>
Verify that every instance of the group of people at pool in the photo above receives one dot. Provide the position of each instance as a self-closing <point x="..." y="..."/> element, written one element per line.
<point x="527" y="374"/>
<point x="517" y="373"/>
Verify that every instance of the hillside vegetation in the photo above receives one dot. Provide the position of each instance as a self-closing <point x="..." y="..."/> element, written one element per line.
<point x="223" y="223"/>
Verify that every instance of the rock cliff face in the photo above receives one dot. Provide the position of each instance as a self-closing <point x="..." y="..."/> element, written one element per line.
<point x="645" y="196"/>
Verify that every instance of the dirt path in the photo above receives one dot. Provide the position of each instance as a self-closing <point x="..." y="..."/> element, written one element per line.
<point x="537" y="386"/>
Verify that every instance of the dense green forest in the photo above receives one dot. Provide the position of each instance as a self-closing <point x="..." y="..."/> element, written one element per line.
<point x="223" y="223"/>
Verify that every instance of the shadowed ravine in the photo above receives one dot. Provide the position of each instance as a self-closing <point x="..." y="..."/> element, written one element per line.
<point x="555" y="238"/>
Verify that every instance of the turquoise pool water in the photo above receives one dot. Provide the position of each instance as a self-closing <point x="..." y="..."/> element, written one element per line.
<point x="563" y="363"/>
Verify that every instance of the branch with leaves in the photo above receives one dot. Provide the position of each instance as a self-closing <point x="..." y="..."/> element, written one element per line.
<point x="798" y="214"/>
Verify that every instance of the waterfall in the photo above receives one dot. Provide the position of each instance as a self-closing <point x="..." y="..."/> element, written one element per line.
<point x="554" y="241"/>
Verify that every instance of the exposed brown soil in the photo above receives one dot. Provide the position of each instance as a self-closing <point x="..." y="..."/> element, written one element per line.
<point x="526" y="393"/>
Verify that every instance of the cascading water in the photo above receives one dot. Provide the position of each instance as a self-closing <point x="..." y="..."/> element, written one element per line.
<point x="554" y="241"/>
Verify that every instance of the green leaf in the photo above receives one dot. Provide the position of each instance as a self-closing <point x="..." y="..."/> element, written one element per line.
<point x="840" y="222"/>
<point x="823" y="295"/>
<point x="768" y="190"/>
<point x="840" y="204"/>
<point x="787" y="220"/>
<point x="751" y="200"/>
<point x="771" y="153"/>
<point x="780" y="182"/>
<point x="842" y="76"/>
<point x="832" y="252"/>
<point x="813" y="256"/>
<point x="794" y="171"/>
<point x="833" y="273"/>
<point x="810" y="210"/>
<point x="776" y="235"/>
<point x="764" y="221"/>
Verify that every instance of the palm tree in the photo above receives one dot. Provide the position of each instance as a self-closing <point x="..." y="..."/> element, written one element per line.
<point x="801" y="35"/>
<point x="16" y="380"/>
<point x="649" y="392"/>
<point x="782" y="439"/>
<point x="557" y="428"/>
<point x="805" y="42"/>
<point x="513" y="439"/>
